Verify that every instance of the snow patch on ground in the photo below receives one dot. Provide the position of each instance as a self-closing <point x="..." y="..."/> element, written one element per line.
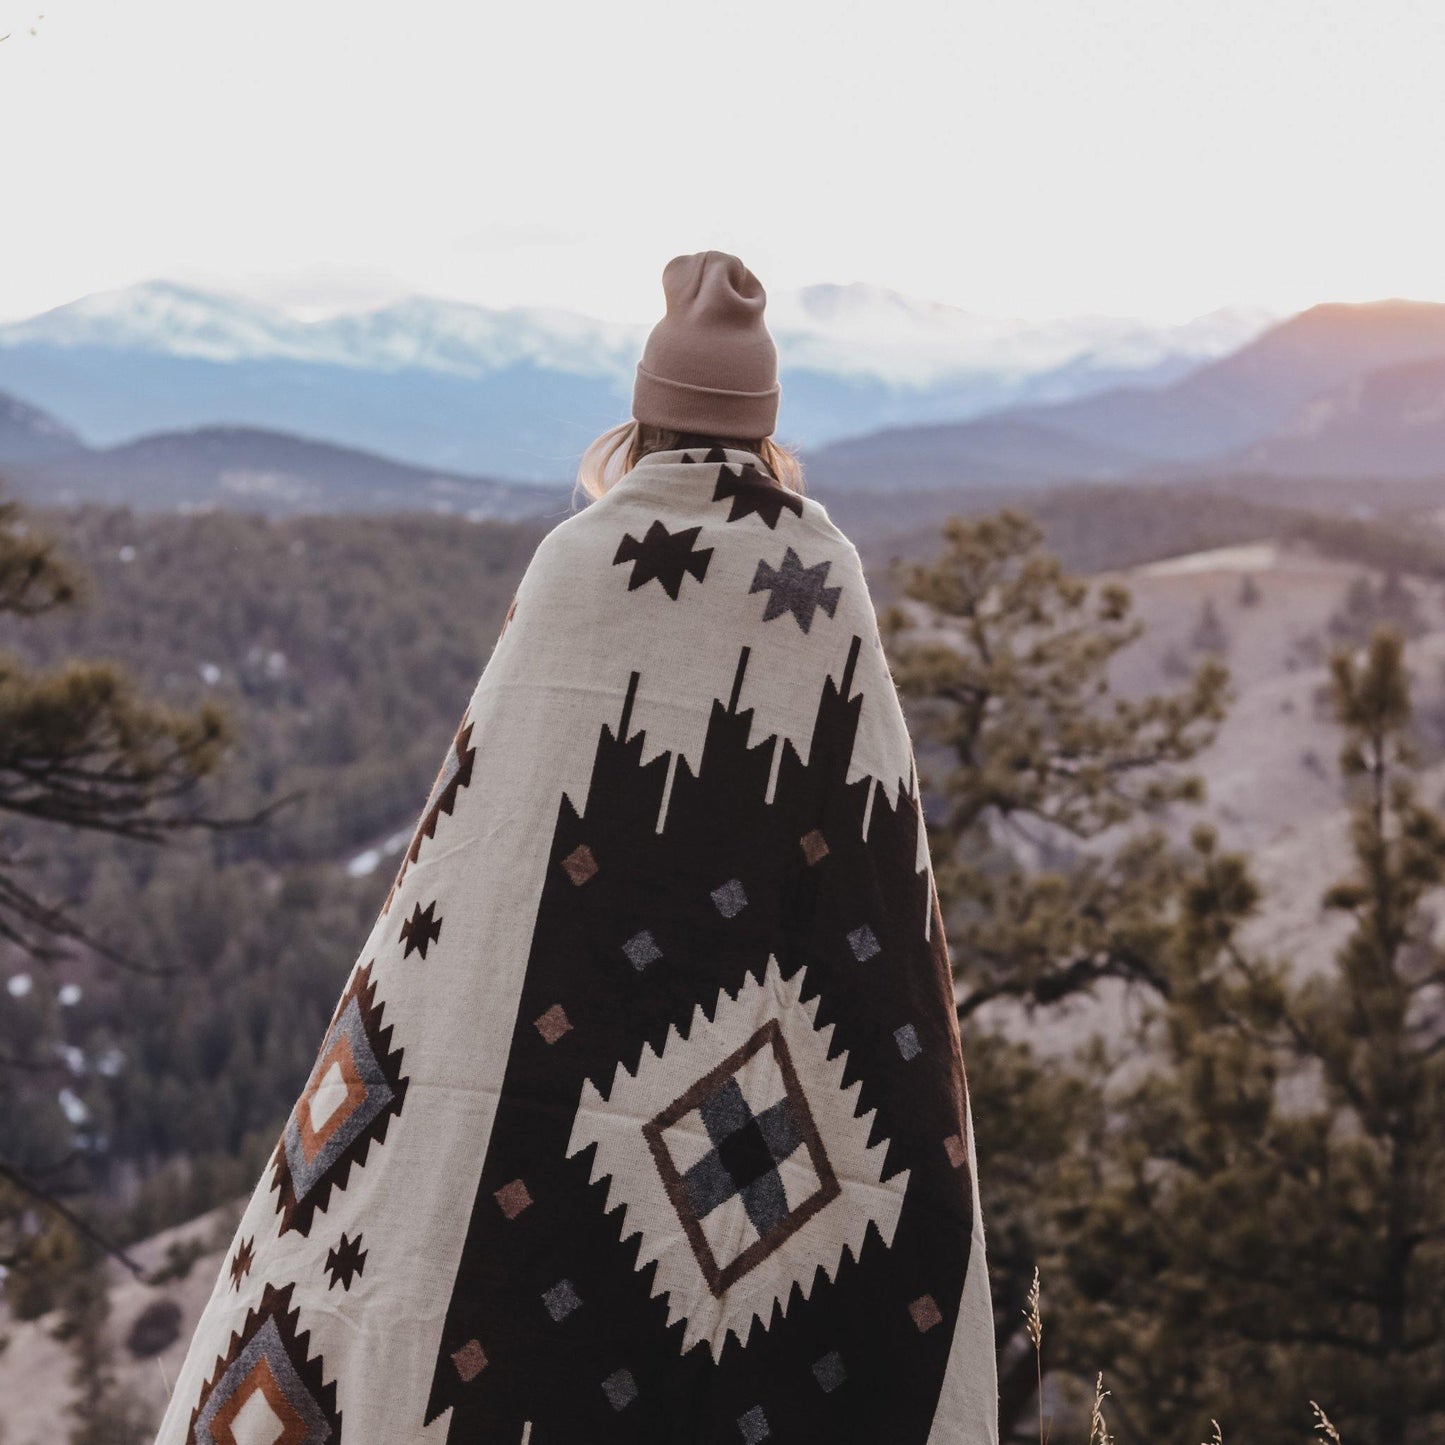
<point x="365" y="863"/>
<point x="1246" y="557"/>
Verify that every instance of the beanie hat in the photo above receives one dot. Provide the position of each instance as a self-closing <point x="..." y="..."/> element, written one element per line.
<point x="709" y="366"/>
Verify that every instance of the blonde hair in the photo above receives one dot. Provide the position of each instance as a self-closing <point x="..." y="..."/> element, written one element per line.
<point x="621" y="447"/>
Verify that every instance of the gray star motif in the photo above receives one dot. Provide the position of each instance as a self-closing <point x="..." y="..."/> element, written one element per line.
<point x="795" y="588"/>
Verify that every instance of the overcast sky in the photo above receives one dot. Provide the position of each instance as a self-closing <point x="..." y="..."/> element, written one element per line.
<point x="1031" y="157"/>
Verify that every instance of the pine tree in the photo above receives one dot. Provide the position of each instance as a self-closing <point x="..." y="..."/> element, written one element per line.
<point x="103" y="1413"/>
<point x="1209" y="635"/>
<point x="1366" y="607"/>
<point x="81" y="750"/>
<point x="1028" y="753"/>
<point x="1030" y="761"/>
<point x="1264" y="1223"/>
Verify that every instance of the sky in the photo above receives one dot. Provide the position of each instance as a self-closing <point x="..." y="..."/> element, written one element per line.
<point x="1035" y="158"/>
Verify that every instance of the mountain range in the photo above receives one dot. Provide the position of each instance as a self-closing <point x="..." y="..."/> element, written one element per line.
<point x="1387" y="423"/>
<point x="28" y="434"/>
<point x="251" y="469"/>
<point x="519" y="393"/>
<point x="1337" y="396"/>
<point x="1340" y="389"/>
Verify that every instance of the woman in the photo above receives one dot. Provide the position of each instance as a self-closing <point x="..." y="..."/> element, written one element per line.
<point x="641" y="1117"/>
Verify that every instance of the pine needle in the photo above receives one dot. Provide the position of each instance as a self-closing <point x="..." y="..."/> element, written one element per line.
<point x="1323" y="1425"/>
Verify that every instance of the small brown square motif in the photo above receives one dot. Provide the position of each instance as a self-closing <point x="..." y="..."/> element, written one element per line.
<point x="956" y="1150"/>
<point x="470" y="1360"/>
<point x="579" y="864"/>
<point x="553" y="1024"/>
<point x="513" y="1198"/>
<point x="925" y="1313"/>
<point x="815" y="847"/>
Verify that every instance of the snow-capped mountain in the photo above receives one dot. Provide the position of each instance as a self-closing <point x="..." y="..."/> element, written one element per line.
<point x="518" y="392"/>
<point x="161" y="318"/>
<point x="855" y="330"/>
<point x="870" y="330"/>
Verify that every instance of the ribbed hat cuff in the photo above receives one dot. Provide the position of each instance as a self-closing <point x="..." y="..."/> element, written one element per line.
<point x="705" y="410"/>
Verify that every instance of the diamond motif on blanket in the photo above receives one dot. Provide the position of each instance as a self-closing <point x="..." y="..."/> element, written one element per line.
<point x="356" y="1087"/>
<point x="740" y="1159"/>
<point x="267" y="1389"/>
<point x="348" y="1090"/>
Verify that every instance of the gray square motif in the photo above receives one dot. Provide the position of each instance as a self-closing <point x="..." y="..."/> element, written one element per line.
<point x="754" y="1425"/>
<point x="620" y="1389"/>
<point x="561" y="1300"/>
<point x="730" y="899"/>
<point x="829" y="1371"/>
<point x="641" y="949"/>
<point x="907" y="1040"/>
<point x="863" y="943"/>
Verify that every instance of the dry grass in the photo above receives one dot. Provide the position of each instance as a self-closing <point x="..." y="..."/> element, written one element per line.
<point x="1098" y="1429"/>
<point x="1034" y="1320"/>
<point x="1324" y="1428"/>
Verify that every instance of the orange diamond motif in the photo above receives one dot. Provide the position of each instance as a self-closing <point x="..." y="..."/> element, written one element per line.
<point x="286" y="1424"/>
<point x="267" y="1389"/>
<point x="339" y="1063"/>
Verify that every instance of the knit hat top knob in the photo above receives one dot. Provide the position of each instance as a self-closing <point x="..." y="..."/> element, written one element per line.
<point x="710" y="366"/>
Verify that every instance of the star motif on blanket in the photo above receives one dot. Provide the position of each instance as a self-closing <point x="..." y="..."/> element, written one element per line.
<point x="345" y="1261"/>
<point x="738" y="1156"/>
<point x="795" y="588"/>
<point x="421" y="930"/>
<point x="665" y="556"/>
<point x="242" y="1261"/>
<point x="754" y="493"/>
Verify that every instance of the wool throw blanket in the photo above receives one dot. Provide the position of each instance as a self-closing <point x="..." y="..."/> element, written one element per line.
<point x="641" y="1117"/>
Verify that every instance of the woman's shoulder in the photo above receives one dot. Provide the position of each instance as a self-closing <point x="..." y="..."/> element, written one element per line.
<point x="572" y="534"/>
<point x="831" y="535"/>
<point x="817" y="515"/>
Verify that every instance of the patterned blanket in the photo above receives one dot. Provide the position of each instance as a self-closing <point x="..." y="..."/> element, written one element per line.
<point x="641" y="1117"/>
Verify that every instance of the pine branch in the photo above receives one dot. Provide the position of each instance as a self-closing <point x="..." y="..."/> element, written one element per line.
<point x="63" y="1211"/>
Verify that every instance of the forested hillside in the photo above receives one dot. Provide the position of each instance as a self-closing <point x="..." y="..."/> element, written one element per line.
<point x="343" y="652"/>
<point x="150" y="1088"/>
